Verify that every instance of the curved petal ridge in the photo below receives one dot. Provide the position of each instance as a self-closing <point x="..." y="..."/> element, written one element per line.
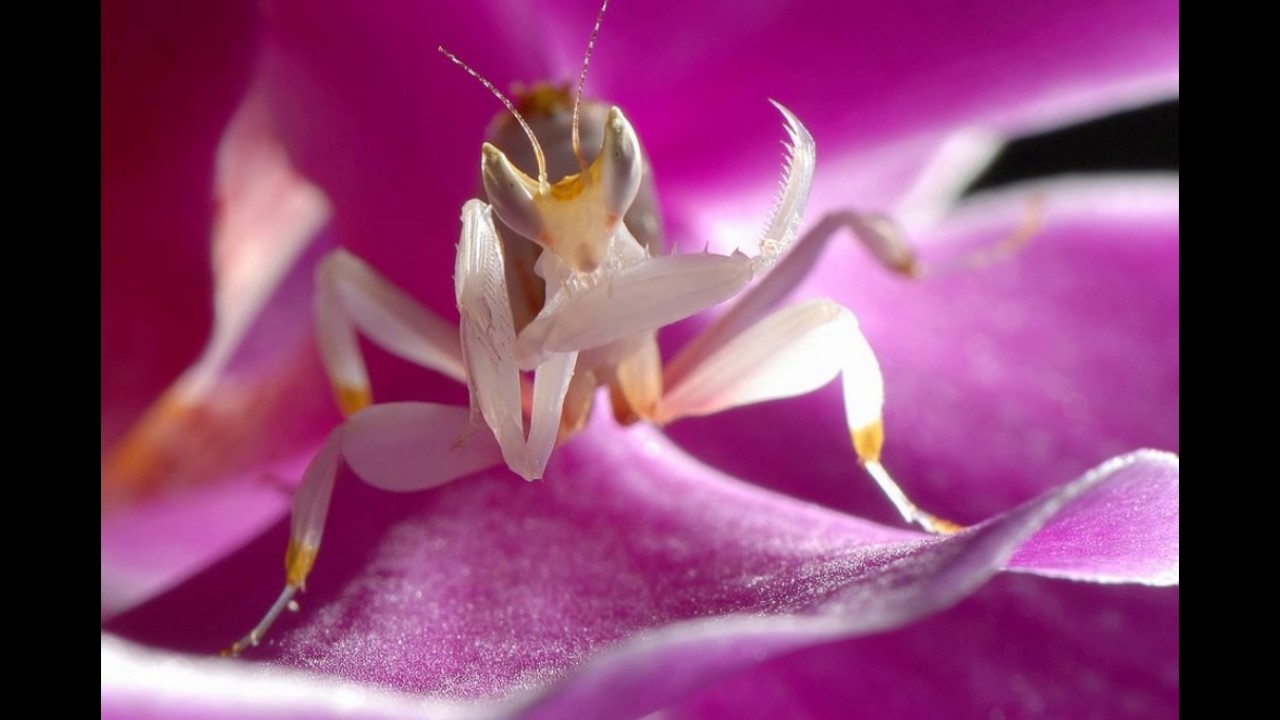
<point x="926" y="577"/>
<point x="449" y="597"/>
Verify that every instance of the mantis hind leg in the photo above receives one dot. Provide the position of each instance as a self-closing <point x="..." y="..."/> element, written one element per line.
<point x="400" y="447"/>
<point x="752" y="353"/>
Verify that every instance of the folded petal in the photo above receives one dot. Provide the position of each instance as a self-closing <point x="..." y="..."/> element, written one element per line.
<point x="171" y="76"/>
<point x="152" y="546"/>
<point x="139" y="682"/>
<point x="247" y="405"/>
<point x="1127" y="530"/>
<point x="489" y="586"/>
<point x="1019" y="647"/>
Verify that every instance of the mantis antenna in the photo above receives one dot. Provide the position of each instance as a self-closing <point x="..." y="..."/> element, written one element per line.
<point x="537" y="149"/>
<point x="582" y="80"/>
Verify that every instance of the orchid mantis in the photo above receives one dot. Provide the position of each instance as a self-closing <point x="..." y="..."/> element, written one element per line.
<point x="561" y="287"/>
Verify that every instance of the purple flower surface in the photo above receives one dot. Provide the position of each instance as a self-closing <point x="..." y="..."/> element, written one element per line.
<point x="731" y="566"/>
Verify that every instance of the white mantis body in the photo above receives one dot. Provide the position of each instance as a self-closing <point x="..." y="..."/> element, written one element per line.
<point x="564" y="281"/>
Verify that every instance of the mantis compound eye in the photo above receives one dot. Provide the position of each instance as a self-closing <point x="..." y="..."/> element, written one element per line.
<point x="618" y="165"/>
<point x="511" y="193"/>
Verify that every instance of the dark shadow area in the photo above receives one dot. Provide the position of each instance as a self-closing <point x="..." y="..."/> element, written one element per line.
<point x="1135" y="141"/>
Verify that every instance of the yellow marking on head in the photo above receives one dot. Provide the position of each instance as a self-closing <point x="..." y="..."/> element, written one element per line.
<point x="351" y="400"/>
<point x="572" y="216"/>
<point x="570" y="188"/>
<point x="868" y="440"/>
<point x="298" y="561"/>
<point x="543" y="99"/>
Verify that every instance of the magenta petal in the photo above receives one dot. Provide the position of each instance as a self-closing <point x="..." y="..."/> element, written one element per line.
<point x="1021" y="647"/>
<point x="862" y="74"/>
<point x="1126" y="531"/>
<point x="171" y="77"/>
<point x="140" y="683"/>
<point x="489" y="585"/>
<point x="197" y="527"/>
<point x="638" y="678"/>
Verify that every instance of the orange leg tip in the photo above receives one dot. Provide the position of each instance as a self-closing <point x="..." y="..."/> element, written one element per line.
<point x="909" y="267"/>
<point x="298" y="561"/>
<point x="940" y="526"/>
<point x="352" y="400"/>
<point x="868" y="440"/>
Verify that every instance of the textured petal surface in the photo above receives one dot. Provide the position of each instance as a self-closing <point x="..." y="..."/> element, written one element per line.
<point x="1019" y="647"/>
<point x="457" y="602"/>
<point x="139" y="683"/>
<point x="1127" y="532"/>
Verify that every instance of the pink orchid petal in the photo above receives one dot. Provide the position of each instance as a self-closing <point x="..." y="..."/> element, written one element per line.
<point x="268" y="215"/>
<point x="198" y="527"/>
<point x="1004" y="648"/>
<point x="638" y="678"/>
<point x="866" y="74"/>
<point x="1028" y="355"/>
<point x="266" y="218"/>
<point x="171" y="76"/>
<point x="1019" y="647"/>
<point x="475" y="593"/>
<point x="1126" y="532"/>
<point x="139" y="683"/>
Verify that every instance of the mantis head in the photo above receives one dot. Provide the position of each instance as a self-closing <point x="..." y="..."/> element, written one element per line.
<point x="576" y="217"/>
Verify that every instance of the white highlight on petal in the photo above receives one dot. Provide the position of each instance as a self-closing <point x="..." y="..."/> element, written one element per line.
<point x="150" y="683"/>
<point x="267" y="213"/>
<point x="957" y="163"/>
